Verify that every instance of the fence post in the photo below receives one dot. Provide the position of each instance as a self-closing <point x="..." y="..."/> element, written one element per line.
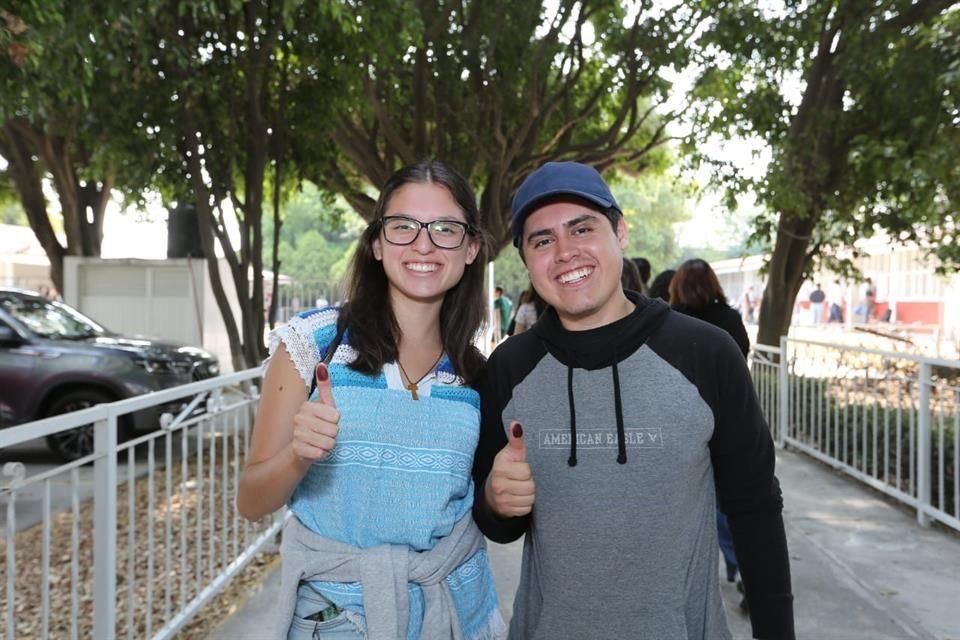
<point x="784" y="413"/>
<point x="105" y="527"/>
<point x="923" y="445"/>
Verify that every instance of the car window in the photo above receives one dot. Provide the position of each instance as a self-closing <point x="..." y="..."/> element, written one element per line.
<point x="50" y="319"/>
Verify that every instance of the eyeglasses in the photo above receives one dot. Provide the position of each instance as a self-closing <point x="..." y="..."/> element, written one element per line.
<point x="445" y="234"/>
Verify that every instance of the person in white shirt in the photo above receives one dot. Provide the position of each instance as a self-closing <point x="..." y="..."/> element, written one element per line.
<point x="747" y="305"/>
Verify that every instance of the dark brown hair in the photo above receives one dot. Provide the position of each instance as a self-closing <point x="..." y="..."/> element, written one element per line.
<point x="695" y="285"/>
<point x="368" y="316"/>
<point x="660" y="287"/>
<point x="630" y="277"/>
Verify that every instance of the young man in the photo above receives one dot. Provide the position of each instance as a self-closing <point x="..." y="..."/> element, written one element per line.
<point x="609" y="430"/>
<point x="817" y="296"/>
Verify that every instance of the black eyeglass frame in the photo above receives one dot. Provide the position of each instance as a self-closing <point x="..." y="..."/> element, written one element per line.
<point x="467" y="230"/>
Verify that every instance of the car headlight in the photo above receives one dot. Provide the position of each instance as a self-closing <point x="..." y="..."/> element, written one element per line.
<point x="206" y="370"/>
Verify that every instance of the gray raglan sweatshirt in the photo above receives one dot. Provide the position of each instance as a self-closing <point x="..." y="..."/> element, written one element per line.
<point x="632" y="431"/>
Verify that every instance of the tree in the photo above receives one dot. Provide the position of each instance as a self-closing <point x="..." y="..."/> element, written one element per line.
<point x="498" y="87"/>
<point x="50" y="92"/>
<point x="865" y="146"/>
<point x="309" y="209"/>
<point x="226" y="105"/>
<point x="317" y="231"/>
<point x="652" y="205"/>
<point x="222" y="90"/>
<point x="311" y="261"/>
<point x="11" y="212"/>
<point x="343" y="96"/>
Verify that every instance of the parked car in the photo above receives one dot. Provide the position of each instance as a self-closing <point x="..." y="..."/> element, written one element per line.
<point x="54" y="359"/>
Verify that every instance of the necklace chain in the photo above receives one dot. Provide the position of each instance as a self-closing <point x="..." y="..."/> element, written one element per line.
<point x="412" y="386"/>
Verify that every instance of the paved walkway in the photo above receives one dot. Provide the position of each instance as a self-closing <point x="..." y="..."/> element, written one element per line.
<point x="862" y="567"/>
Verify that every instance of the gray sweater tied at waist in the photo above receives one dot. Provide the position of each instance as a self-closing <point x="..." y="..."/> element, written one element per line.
<point x="383" y="572"/>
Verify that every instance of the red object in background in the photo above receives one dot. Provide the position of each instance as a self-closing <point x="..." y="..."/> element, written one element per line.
<point x="914" y="312"/>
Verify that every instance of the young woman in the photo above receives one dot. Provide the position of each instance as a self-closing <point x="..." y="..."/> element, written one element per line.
<point x="696" y="291"/>
<point x="375" y="463"/>
<point x="529" y="308"/>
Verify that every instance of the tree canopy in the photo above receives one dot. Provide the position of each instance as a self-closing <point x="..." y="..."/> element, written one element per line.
<point x="227" y="105"/>
<point x="310" y="252"/>
<point x="497" y="87"/>
<point x="857" y="102"/>
<point x="54" y="121"/>
<point x="230" y="105"/>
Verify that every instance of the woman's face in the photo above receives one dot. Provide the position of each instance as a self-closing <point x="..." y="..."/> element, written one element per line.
<point x="421" y="271"/>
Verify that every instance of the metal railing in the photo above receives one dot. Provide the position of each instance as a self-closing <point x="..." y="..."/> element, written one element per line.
<point x="890" y="420"/>
<point x="136" y="547"/>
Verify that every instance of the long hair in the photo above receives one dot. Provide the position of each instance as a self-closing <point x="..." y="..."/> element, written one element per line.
<point x="695" y="285"/>
<point x="368" y="314"/>
<point x="660" y="287"/>
<point x="530" y="295"/>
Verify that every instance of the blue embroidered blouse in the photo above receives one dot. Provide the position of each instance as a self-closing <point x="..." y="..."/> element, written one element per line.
<point x="399" y="473"/>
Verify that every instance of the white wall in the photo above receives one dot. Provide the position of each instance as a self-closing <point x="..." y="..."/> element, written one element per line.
<point x="166" y="299"/>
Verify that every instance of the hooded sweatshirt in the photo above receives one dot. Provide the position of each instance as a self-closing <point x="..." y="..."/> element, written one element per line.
<point x="632" y="432"/>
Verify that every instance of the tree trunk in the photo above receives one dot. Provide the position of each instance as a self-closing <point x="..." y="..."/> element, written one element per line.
<point x="27" y="177"/>
<point x="206" y="223"/>
<point x="256" y="98"/>
<point x="788" y="268"/>
<point x="20" y="143"/>
<point x="494" y="201"/>
<point x="275" y="247"/>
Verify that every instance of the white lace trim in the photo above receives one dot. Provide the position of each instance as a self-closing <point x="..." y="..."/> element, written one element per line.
<point x="297" y="337"/>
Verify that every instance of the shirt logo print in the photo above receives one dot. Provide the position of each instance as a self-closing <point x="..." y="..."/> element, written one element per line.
<point x="651" y="438"/>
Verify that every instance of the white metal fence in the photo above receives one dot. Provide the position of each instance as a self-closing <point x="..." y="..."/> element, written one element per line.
<point x="138" y="546"/>
<point x="891" y="420"/>
<point x="135" y="547"/>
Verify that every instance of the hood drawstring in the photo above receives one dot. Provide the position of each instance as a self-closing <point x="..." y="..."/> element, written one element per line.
<point x="618" y="407"/>
<point x="572" y="460"/>
<point x="598" y="348"/>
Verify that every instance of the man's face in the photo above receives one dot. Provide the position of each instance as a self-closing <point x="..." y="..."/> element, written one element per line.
<point x="575" y="259"/>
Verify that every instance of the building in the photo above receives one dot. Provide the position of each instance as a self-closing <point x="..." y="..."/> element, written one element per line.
<point x="23" y="262"/>
<point x="909" y="292"/>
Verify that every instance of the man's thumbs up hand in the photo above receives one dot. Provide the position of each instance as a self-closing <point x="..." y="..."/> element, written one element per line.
<point x="510" y="489"/>
<point x="316" y="424"/>
<point x="516" y="447"/>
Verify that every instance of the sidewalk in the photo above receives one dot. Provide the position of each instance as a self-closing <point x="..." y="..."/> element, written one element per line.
<point x="862" y="568"/>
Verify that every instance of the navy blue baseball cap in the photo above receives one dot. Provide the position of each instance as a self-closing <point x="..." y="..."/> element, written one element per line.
<point x="559" y="179"/>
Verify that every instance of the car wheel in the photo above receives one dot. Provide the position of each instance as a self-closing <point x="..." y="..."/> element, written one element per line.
<point x="75" y="443"/>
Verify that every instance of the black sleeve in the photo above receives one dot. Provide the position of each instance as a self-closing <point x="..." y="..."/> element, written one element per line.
<point x="743" y="458"/>
<point x="739" y="333"/>
<point x="494" y="395"/>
